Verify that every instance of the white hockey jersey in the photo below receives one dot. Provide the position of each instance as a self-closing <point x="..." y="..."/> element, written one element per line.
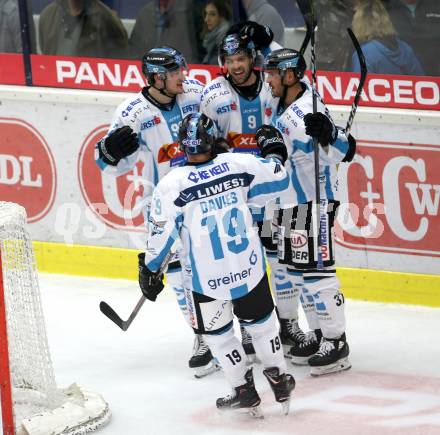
<point x="300" y="163"/>
<point x="236" y="117"/>
<point x="157" y="131"/>
<point x="207" y="206"/>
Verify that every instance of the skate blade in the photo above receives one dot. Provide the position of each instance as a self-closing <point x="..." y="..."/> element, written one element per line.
<point x="285" y="407"/>
<point x="252" y="359"/>
<point x="300" y="360"/>
<point x="255" y="412"/>
<point x="201" y="372"/>
<point x="341" y="365"/>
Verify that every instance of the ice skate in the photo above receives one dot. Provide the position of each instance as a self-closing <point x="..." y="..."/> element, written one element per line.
<point x="246" y="341"/>
<point x="243" y="397"/>
<point x="331" y="357"/>
<point x="281" y="385"/>
<point x="291" y="335"/>
<point x="302" y="352"/>
<point x="202" y="360"/>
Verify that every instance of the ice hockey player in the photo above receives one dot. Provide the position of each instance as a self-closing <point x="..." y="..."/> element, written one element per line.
<point x="236" y="102"/>
<point x="145" y="128"/>
<point x="206" y="205"/>
<point x="326" y="350"/>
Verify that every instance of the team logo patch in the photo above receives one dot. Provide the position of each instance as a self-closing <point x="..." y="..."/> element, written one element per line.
<point x="169" y="152"/>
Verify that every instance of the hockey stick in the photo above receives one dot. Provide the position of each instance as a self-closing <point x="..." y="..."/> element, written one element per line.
<point x="364" y="72"/>
<point x="108" y="311"/>
<point x="308" y="11"/>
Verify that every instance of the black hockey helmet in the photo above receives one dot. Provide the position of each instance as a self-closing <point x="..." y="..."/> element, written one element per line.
<point x="284" y="59"/>
<point x="161" y="60"/>
<point x="197" y="134"/>
<point x="234" y="44"/>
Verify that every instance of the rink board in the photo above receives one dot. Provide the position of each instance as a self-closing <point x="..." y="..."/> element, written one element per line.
<point x="362" y="284"/>
<point x="388" y="229"/>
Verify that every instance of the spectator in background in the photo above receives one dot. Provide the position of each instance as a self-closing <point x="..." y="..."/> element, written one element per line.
<point x="333" y="46"/>
<point x="384" y="52"/>
<point x="82" y="28"/>
<point x="264" y="13"/>
<point x="417" y="22"/>
<point x="217" y="14"/>
<point x="166" y="22"/>
<point x="10" y="29"/>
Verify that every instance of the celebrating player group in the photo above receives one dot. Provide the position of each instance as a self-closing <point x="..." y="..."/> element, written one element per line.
<point x="238" y="174"/>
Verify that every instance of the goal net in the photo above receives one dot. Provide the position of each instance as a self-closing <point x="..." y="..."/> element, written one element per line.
<point x="31" y="401"/>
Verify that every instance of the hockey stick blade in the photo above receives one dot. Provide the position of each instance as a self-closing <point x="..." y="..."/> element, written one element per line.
<point x="108" y="311"/>
<point x="364" y="73"/>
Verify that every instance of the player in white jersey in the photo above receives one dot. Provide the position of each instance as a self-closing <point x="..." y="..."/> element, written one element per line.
<point x="236" y="102"/>
<point x="145" y="128"/>
<point x="206" y="204"/>
<point x="297" y="243"/>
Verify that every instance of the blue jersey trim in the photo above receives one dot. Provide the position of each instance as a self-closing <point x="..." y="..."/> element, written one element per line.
<point x="341" y="145"/>
<point x="269" y="187"/>
<point x="155" y="264"/>
<point x="302" y="199"/>
<point x="195" y="276"/>
<point x="239" y="292"/>
<point x="328" y="185"/>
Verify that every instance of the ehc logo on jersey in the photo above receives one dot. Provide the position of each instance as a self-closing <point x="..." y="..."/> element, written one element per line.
<point x="150" y="122"/>
<point x="171" y="153"/>
<point x="227" y="108"/>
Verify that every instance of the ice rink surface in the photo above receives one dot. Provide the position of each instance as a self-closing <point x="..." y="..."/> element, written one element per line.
<point x="392" y="388"/>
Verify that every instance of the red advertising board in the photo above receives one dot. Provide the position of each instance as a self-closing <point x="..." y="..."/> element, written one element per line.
<point x="11" y="69"/>
<point x="407" y="92"/>
<point x="393" y="192"/>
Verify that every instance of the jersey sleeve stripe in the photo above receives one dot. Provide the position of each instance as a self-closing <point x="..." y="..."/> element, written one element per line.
<point x="269" y="187"/>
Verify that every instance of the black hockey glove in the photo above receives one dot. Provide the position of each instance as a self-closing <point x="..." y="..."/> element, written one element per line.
<point x="260" y="35"/>
<point x="320" y="127"/>
<point x="351" y="149"/>
<point x="118" y="144"/>
<point x="271" y="143"/>
<point x="150" y="284"/>
<point x="221" y="146"/>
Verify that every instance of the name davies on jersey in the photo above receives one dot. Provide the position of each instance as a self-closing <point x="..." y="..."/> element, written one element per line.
<point x="214" y="187"/>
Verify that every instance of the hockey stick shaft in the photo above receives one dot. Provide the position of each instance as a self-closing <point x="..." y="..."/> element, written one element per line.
<point x="364" y="72"/>
<point x="308" y="11"/>
<point x="109" y="312"/>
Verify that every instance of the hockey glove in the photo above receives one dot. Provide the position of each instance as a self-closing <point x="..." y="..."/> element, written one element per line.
<point x="351" y="149"/>
<point x="271" y="143"/>
<point x="260" y="35"/>
<point x="320" y="127"/>
<point x="150" y="283"/>
<point x="221" y="146"/>
<point x="118" y="144"/>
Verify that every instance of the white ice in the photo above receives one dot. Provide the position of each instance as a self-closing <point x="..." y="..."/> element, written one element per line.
<point x="142" y="373"/>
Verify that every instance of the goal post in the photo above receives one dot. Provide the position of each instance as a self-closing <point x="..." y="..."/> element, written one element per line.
<point x="31" y="402"/>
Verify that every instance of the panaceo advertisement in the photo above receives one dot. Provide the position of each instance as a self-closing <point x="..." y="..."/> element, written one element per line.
<point x="390" y="193"/>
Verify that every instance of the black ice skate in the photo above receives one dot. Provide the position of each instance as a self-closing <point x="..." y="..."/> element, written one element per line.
<point x="331" y="357"/>
<point x="246" y="341"/>
<point x="282" y="386"/>
<point x="202" y="360"/>
<point x="243" y="397"/>
<point x="291" y="335"/>
<point x="301" y="353"/>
